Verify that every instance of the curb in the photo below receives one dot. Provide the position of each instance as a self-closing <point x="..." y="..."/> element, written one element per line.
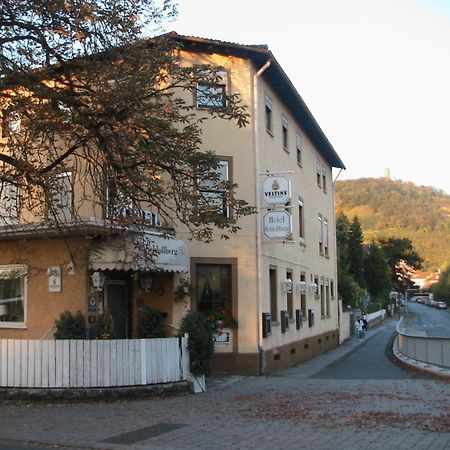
<point x="93" y="394"/>
<point x="430" y="369"/>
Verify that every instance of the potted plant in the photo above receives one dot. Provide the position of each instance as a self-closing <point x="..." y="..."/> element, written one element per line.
<point x="201" y="346"/>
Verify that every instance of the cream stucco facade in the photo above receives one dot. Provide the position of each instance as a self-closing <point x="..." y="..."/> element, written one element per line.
<point x="278" y="323"/>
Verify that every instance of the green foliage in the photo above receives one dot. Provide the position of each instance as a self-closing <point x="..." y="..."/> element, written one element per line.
<point x="387" y="208"/>
<point x="355" y="250"/>
<point x="201" y="345"/>
<point x="70" y="326"/>
<point x="349" y="289"/>
<point x="377" y="273"/>
<point x="92" y="93"/>
<point x="151" y="323"/>
<point x="441" y="289"/>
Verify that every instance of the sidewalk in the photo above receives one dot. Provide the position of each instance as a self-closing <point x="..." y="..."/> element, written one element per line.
<point x="304" y="407"/>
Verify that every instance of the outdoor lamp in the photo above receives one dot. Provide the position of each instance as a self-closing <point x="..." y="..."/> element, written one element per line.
<point x="146" y="283"/>
<point x="98" y="280"/>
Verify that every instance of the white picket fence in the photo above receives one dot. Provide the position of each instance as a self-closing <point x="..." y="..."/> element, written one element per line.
<point x="92" y="363"/>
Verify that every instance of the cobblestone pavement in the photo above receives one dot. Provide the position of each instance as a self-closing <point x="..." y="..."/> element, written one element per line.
<point x="312" y="406"/>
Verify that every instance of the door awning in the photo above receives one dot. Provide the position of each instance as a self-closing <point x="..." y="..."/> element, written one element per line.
<point x="140" y="252"/>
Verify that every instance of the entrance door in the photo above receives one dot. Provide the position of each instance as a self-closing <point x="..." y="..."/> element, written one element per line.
<point x="116" y="302"/>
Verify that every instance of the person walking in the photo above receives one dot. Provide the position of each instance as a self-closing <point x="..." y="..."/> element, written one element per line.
<point x="359" y="324"/>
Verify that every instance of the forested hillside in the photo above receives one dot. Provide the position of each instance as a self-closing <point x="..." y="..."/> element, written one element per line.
<point x="387" y="208"/>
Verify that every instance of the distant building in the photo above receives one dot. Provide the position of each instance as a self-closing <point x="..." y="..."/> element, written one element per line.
<point x="426" y="279"/>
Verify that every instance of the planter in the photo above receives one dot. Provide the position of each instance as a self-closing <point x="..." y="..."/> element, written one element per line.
<point x="197" y="384"/>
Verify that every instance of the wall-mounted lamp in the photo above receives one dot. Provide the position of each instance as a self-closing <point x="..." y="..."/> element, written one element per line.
<point x="286" y="286"/>
<point x="313" y="288"/>
<point x="98" y="281"/>
<point x="301" y="287"/>
<point x="146" y="283"/>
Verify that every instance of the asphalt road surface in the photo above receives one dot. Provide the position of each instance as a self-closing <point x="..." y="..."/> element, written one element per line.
<point x="427" y="321"/>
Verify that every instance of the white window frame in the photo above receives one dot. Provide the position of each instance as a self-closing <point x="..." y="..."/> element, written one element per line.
<point x="320" y="221"/>
<point x="301" y="220"/>
<point x="14" y="271"/>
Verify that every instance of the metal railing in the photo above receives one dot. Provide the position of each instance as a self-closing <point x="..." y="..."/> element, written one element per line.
<point x="426" y="349"/>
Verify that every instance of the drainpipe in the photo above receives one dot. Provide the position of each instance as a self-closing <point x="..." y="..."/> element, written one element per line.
<point x="258" y="209"/>
<point x="338" y="315"/>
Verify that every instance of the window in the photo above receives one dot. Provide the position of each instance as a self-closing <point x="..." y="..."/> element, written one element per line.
<point x="290" y="297"/>
<point x="319" y="174"/>
<point x="10" y="123"/>
<point x="301" y="219"/>
<point x="60" y="199"/>
<point x="12" y="296"/>
<point x="213" y="94"/>
<point x="316" y="287"/>
<point x="320" y="222"/>
<point x="325" y="236"/>
<point x="303" y="294"/>
<point x="324" y="180"/>
<point x="332" y="289"/>
<point x="298" y="146"/>
<point x="213" y="288"/>
<point x="214" y="193"/>
<point x="268" y="114"/>
<point x="322" y="301"/>
<point x="327" y="298"/>
<point x="273" y="293"/>
<point x="9" y="204"/>
<point x="119" y="201"/>
<point x="285" y="133"/>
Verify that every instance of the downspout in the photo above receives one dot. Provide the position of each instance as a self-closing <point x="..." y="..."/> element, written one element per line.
<point x="257" y="215"/>
<point x="338" y="313"/>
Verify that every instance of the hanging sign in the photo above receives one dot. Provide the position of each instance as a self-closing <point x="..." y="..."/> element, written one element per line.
<point x="277" y="224"/>
<point x="276" y="190"/>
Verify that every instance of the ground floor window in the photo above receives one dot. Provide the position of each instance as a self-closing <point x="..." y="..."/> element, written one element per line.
<point x="12" y="295"/>
<point x="214" y="288"/>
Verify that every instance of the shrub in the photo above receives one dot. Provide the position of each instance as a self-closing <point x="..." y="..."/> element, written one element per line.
<point x="70" y="326"/>
<point x="151" y="323"/>
<point x="200" y="343"/>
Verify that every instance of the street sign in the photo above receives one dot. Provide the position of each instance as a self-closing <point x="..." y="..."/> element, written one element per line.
<point x="276" y="190"/>
<point x="277" y="224"/>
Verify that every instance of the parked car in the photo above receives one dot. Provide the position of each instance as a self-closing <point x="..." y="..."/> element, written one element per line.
<point x="441" y="305"/>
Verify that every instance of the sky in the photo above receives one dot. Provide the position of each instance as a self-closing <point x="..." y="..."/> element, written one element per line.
<point x="374" y="73"/>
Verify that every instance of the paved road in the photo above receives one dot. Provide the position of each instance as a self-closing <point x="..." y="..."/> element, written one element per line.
<point x="427" y="321"/>
<point x="353" y="397"/>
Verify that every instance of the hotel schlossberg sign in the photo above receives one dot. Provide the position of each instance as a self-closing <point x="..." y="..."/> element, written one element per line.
<point x="276" y="190"/>
<point x="277" y="224"/>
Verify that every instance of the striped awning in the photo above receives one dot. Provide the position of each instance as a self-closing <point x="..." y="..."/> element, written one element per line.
<point x="140" y="252"/>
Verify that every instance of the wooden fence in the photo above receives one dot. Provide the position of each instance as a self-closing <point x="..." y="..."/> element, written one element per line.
<point x="92" y="363"/>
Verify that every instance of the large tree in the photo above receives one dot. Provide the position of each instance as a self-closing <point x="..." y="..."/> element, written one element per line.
<point x="96" y="99"/>
<point x="349" y="290"/>
<point x="400" y="252"/>
<point x="377" y="273"/>
<point x="356" y="251"/>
